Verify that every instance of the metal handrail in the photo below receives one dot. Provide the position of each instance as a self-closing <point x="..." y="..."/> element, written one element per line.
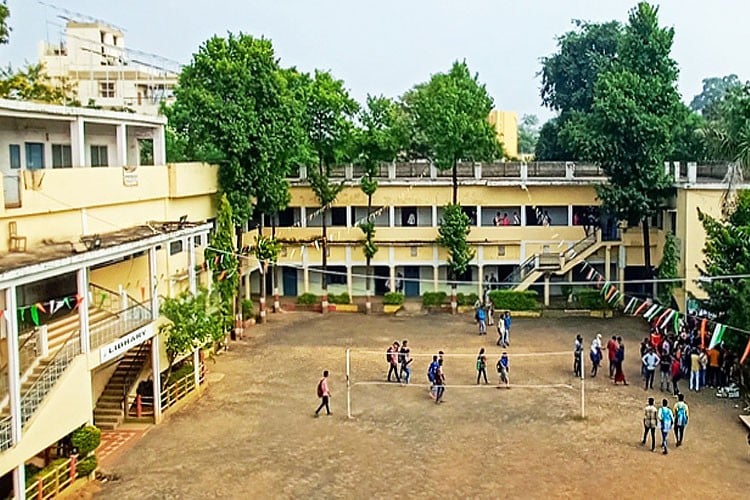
<point x="119" y="324"/>
<point x="130" y="378"/>
<point x="4" y="383"/>
<point x="520" y="272"/>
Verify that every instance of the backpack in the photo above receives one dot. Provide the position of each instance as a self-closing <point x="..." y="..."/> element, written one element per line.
<point x="388" y="355"/>
<point x="320" y="388"/>
<point x="681" y="418"/>
<point x="431" y="371"/>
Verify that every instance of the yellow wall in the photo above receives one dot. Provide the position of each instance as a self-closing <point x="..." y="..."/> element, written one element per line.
<point x="506" y="128"/>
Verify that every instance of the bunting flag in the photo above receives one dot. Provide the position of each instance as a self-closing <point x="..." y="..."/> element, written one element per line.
<point x="660" y="320"/>
<point x="610" y="293"/>
<point x="651" y="311"/>
<point x="746" y="353"/>
<point x="34" y="315"/>
<point x="677" y="323"/>
<point x="222" y="275"/>
<point x="666" y="318"/>
<point x="316" y="245"/>
<point x="641" y="308"/>
<point x="605" y="288"/>
<point x="703" y="333"/>
<point x="66" y="302"/>
<point x="40" y="307"/>
<point x="56" y="305"/>
<point x="102" y="299"/>
<point x="631" y="303"/>
<point x="22" y="313"/>
<point x="590" y="274"/>
<point x="79" y="300"/>
<point x="717" y="336"/>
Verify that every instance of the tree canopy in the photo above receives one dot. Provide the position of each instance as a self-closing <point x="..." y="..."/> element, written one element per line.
<point x="714" y="89"/>
<point x="528" y="134"/>
<point x="32" y="83"/>
<point x="4" y="27"/>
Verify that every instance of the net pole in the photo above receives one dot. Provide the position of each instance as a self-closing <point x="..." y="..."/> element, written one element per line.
<point x="583" y="384"/>
<point x="348" y="385"/>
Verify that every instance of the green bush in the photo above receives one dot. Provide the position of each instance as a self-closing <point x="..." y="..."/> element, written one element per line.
<point x="86" y="466"/>
<point x="586" y="298"/>
<point x="342" y="298"/>
<point x="86" y="439"/>
<point x="307" y="299"/>
<point x="467" y="299"/>
<point x="247" y="309"/>
<point x="393" y="298"/>
<point x="37" y="473"/>
<point x="432" y="299"/>
<point x="509" y="300"/>
<point x="179" y="373"/>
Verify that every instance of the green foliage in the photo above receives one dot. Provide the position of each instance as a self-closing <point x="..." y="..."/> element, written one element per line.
<point x="307" y="299"/>
<point x="86" y="439"/>
<point x="727" y="253"/>
<point x="393" y="298"/>
<point x="586" y="298"/>
<point x="566" y="290"/>
<point x="528" y="134"/>
<point x="728" y="135"/>
<point x="549" y="145"/>
<point x="234" y="106"/>
<point x="467" y="299"/>
<point x="86" y="466"/>
<point x="247" y="308"/>
<point x="192" y="321"/>
<point x="670" y="258"/>
<point x="448" y="118"/>
<point x="369" y="247"/>
<point x="452" y="233"/>
<point x="266" y="249"/>
<point x="714" y="90"/>
<point x="341" y="298"/>
<point x="223" y="263"/>
<point x="179" y="373"/>
<point x="4" y="28"/>
<point x="433" y="299"/>
<point x="510" y="300"/>
<point x="35" y="473"/>
<point x="32" y="83"/>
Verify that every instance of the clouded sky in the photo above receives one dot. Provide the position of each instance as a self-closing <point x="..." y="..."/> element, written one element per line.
<point x="386" y="46"/>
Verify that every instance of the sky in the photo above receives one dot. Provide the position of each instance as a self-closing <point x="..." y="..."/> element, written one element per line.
<point x="387" y="46"/>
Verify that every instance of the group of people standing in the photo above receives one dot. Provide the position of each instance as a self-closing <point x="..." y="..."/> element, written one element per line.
<point x="615" y="353"/>
<point x="399" y="362"/>
<point x="666" y="419"/>
<point x="502" y="366"/>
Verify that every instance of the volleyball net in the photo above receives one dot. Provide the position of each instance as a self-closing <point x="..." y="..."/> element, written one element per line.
<point x="367" y="373"/>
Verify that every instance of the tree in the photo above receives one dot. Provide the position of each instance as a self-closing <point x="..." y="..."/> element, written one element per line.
<point x="4" y="28"/>
<point x="548" y="146"/>
<point x="192" y="322"/>
<point x="668" y="270"/>
<point x="32" y="83"/>
<point x="327" y="122"/>
<point x="379" y="139"/>
<point x="449" y="118"/>
<point x="452" y="234"/>
<point x="714" y="89"/>
<point x="221" y="256"/>
<point x="727" y="253"/>
<point x="528" y="134"/>
<point x="628" y="130"/>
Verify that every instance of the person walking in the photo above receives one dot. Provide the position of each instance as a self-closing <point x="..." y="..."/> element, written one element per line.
<point x="503" y="370"/>
<point x="596" y="354"/>
<point x="713" y="367"/>
<point x="665" y="365"/>
<point x="666" y="421"/>
<point x="405" y="360"/>
<point x="431" y="374"/>
<point x="695" y="371"/>
<point x="577" y="353"/>
<point x="649" y="423"/>
<point x="392" y="357"/>
<point x="612" y="355"/>
<point x="651" y="361"/>
<point x="507" y="320"/>
<point x="501" y="333"/>
<point x="324" y="393"/>
<point x="676" y="371"/>
<point x="439" y="383"/>
<point x="481" y="317"/>
<point x="482" y="366"/>
<point x="619" y="374"/>
<point x="681" y="415"/>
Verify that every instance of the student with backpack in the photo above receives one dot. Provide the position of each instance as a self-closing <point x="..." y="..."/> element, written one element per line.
<point x="666" y="421"/>
<point x="405" y="361"/>
<point x="431" y="373"/>
<point x="324" y="394"/>
<point x="482" y="366"/>
<point x="481" y="317"/>
<point x="439" y="383"/>
<point x="681" y="415"/>
<point x="391" y="356"/>
<point x="503" y="369"/>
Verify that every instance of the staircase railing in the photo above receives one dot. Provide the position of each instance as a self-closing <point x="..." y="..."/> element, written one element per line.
<point x="27" y="352"/>
<point x="519" y="273"/>
<point x="131" y="375"/>
<point x="126" y="315"/>
<point x="582" y="245"/>
<point x="33" y="397"/>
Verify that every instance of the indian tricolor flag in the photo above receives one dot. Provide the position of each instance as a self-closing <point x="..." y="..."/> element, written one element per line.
<point x="717" y="336"/>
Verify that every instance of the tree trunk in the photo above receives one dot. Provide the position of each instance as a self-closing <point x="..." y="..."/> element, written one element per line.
<point x="455" y="182"/>
<point x="324" y="258"/>
<point x="262" y="270"/>
<point x="647" y="254"/>
<point x="236" y="305"/>
<point x="368" y="302"/>
<point x="274" y="285"/>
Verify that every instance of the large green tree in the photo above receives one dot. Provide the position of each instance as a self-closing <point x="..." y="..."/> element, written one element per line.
<point x="528" y="134"/>
<point x="452" y="235"/>
<point x="628" y="130"/>
<point x="449" y="119"/>
<point x="32" y="83"/>
<point x="379" y="139"/>
<point x="714" y="89"/>
<point x="221" y="256"/>
<point x="327" y="120"/>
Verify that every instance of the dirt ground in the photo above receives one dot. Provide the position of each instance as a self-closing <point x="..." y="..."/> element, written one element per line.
<point x="253" y="435"/>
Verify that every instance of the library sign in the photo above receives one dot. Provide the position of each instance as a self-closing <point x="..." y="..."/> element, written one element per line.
<point x="119" y="346"/>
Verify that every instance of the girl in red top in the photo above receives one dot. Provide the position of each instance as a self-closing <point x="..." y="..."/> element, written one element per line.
<point x="676" y="374"/>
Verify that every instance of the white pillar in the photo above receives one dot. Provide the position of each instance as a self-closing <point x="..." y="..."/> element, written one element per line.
<point x="122" y="145"/>
<point x="349" y="288"/>
<point x="152" y="283"/>
<point x="392" y="278"/>
<point x="434" y="216"/>
<point x="191" y="265"/>
<point x="523" y="215"/>
<point x="391" y="216"/>
<point x="14" y="382"/>
<point x="349" y="216"/>
<point x="302" y="216"/>
<point x="156" y="371"/>
<point x="82" y="280"/>
<point x="524" y="171"/>
<point x="391" y="170"/>
<point x="477" y="170"/>
<point x="160" y="149"/>
<point x="676" y="166"/>
<point x="570" y="215"/>
<point x="546" y="289"/>
<point x="42" y="341"/>
<point x="77" y="143"/>
<point x="479" y="215"/>
<point x="435" y="278"/>
<point x="607" y="263"/>
<point x="692" y="169"/>
<point x="303" y="171"/>
<point x="480" y="281"/>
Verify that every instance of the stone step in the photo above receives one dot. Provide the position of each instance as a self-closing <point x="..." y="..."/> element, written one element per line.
<point x="105" y="411"/>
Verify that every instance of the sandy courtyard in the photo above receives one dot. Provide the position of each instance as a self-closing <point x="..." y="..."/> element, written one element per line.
<point x="253" y="435"/>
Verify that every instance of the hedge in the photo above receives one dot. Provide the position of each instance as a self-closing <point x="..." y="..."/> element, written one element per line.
<point x="432" y="299"/>
<point x="467" y="300"/>
<point x="307" y="299"/>
<point x="509" y="300"/>
<point x="86" y="466"/>
<point x="342" y="298"/>
<point x="86" y="439"/>
<point x="585" y="298"/>
<point x="393" y="299"/>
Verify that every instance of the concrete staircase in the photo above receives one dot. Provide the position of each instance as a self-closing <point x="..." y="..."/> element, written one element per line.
<point x="110" y="411"/>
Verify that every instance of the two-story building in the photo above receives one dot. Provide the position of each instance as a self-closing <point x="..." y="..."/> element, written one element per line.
<point x="90" y="239"/>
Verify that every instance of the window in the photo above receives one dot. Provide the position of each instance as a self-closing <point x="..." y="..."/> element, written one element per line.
<point x="408" y="216"/>
<point x="338" y="216"/>
<point x="34" y="155"/>
<point x="197" y="240"/>
<point x="106" y="89"/>
<point x="99" y="156"/>
<point x="175" y="247"/>
<point x="15" y="156"/>
<point x="62" y="157"/>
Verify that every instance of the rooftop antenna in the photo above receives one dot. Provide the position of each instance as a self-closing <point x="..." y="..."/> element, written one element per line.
<point x="70" y="15"/>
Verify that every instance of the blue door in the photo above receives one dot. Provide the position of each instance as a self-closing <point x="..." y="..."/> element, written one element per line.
<point x="411" y="281"/>
<point x="34" y="155"/>
<point x="289" y="280"/>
